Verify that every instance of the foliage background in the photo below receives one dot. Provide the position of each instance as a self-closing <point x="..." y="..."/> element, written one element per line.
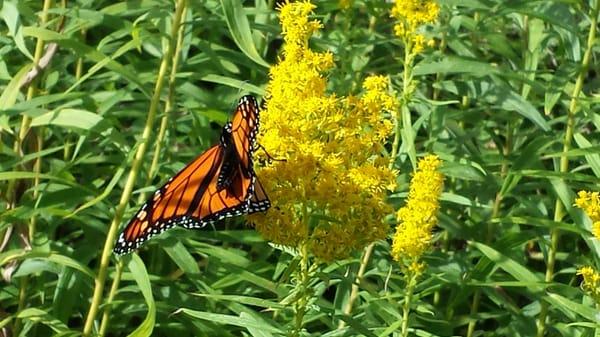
<point x="492" y="100"/>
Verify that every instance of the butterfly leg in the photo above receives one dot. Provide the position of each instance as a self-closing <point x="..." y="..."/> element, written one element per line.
<point x="270" y="158"/>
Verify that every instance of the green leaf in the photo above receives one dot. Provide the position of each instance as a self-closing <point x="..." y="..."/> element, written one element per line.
<point x="89" y="53"/>
<point x="508" y="100"/>
<point x="10" y="15"/>
<point x="569" y="307"/>
<point x="518" y="271"/>
<point x="183" y="258"/>
<point x="11" y="91"/>
<point x="455" y="65"/>
<point x="234" y="83"/>
<point x="41" y="316"/>
<point x="258" y="302"/>
<point x="76" y="118"/>
<point x="592" y="156"/>
<point x="138" y="270"/>
<point x="242" y="321"/>
<point x="240" y="30"/>
<point x="22" y="254"/>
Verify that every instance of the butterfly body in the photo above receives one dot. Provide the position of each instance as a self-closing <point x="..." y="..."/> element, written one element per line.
<point x="219" y="183"/>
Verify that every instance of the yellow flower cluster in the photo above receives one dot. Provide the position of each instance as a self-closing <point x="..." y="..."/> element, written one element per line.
<point x="328" y="193"/>
<point x="418" y="217"/>
<point x="590" y="203"/>
<point x="591" y="282"/>
<point x="411" y="14"/>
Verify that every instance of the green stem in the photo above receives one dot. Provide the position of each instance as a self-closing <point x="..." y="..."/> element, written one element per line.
<point x="356" y="285"/>
<point x="111" y="296"/>
<point x="411" y="283"/>
<point x="559" y="209"/>
<point x="168" y="107"/>
<point x="18" y="148"/>
<point x="135" y="167"/>
<point x="301" y="303"/>
<point x="161" y="135"/>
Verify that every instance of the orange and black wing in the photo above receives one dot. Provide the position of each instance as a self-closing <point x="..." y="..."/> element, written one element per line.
<point x="244" y="128"/>
<point x="173" y="202"/>
<point x="259" y="202"/>
<point x="217" y="184"/>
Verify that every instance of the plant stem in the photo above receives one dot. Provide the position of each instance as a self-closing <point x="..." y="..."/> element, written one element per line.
<point x="411" y="282"/>
<point x="161" y="135"/>
<point x="18" y="148"/>
<point x="301" y="303"/>
<point x="169" y="106"/>
<point x="559" y="209"/>
<point x="111" y="296"/>
<point x="356" y="285"/>
<point x="135" y="167"/>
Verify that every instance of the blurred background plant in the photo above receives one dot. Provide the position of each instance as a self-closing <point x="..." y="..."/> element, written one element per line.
<point x="505" y="97"/>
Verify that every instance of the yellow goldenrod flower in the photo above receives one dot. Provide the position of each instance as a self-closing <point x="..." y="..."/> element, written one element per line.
<point x="418" y="217"/>
<point x="591" y="282"/>
<point x="590" y="203"/>
<point x="329" y="193"/>
<point x="412" y="14"/>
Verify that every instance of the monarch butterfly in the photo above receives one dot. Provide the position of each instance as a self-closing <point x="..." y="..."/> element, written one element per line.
<point x="219" y="183"/>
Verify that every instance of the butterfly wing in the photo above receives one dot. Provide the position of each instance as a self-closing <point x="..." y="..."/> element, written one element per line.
<point x="259" y="202"/>
<point x="220" y="202"/>
<point x="217" y="184"/>
<point x="244" y="128"/>
<point x="171" y="204"/>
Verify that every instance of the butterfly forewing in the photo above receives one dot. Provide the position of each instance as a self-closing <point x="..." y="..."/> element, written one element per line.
<point x="171" y="204"/>
<point x="217" y="184"/>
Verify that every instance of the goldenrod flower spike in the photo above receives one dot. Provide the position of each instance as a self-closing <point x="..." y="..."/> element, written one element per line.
<point x="329" y="194"/>
<point x="418" y="217"/>
<point x="412" y="14"/>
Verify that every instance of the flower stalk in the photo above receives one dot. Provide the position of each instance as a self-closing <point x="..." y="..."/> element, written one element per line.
<point x="411" y="282"/>
<point x="135" y="167"/>
<point x="302" y="285"/>
<point x="559" y="208"/>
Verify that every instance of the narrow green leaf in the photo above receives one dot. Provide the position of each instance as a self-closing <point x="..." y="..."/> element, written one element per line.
<point x="258" y="302"/>
<point x="138" y="270"/>
<point x="22" y="254"/>
<point x="240" y="30"/>
<point x="569" y="307"/>
<point x="510" y="266"/>
<point x="11" y="91"/>
<point x="508" y="100"/>
<point x="455" y="65"/>
<point x="234" y="83"/>
<point x="244" y="322"/>
<point x="76" y="118"/>
<point x="113" y="182"/>
<point x="183" y="258"/>
<point x="89" y="53"/>
<point x="41" y="316"/>
<point x="593" y="158"/>
<point x="10" y="14"/>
